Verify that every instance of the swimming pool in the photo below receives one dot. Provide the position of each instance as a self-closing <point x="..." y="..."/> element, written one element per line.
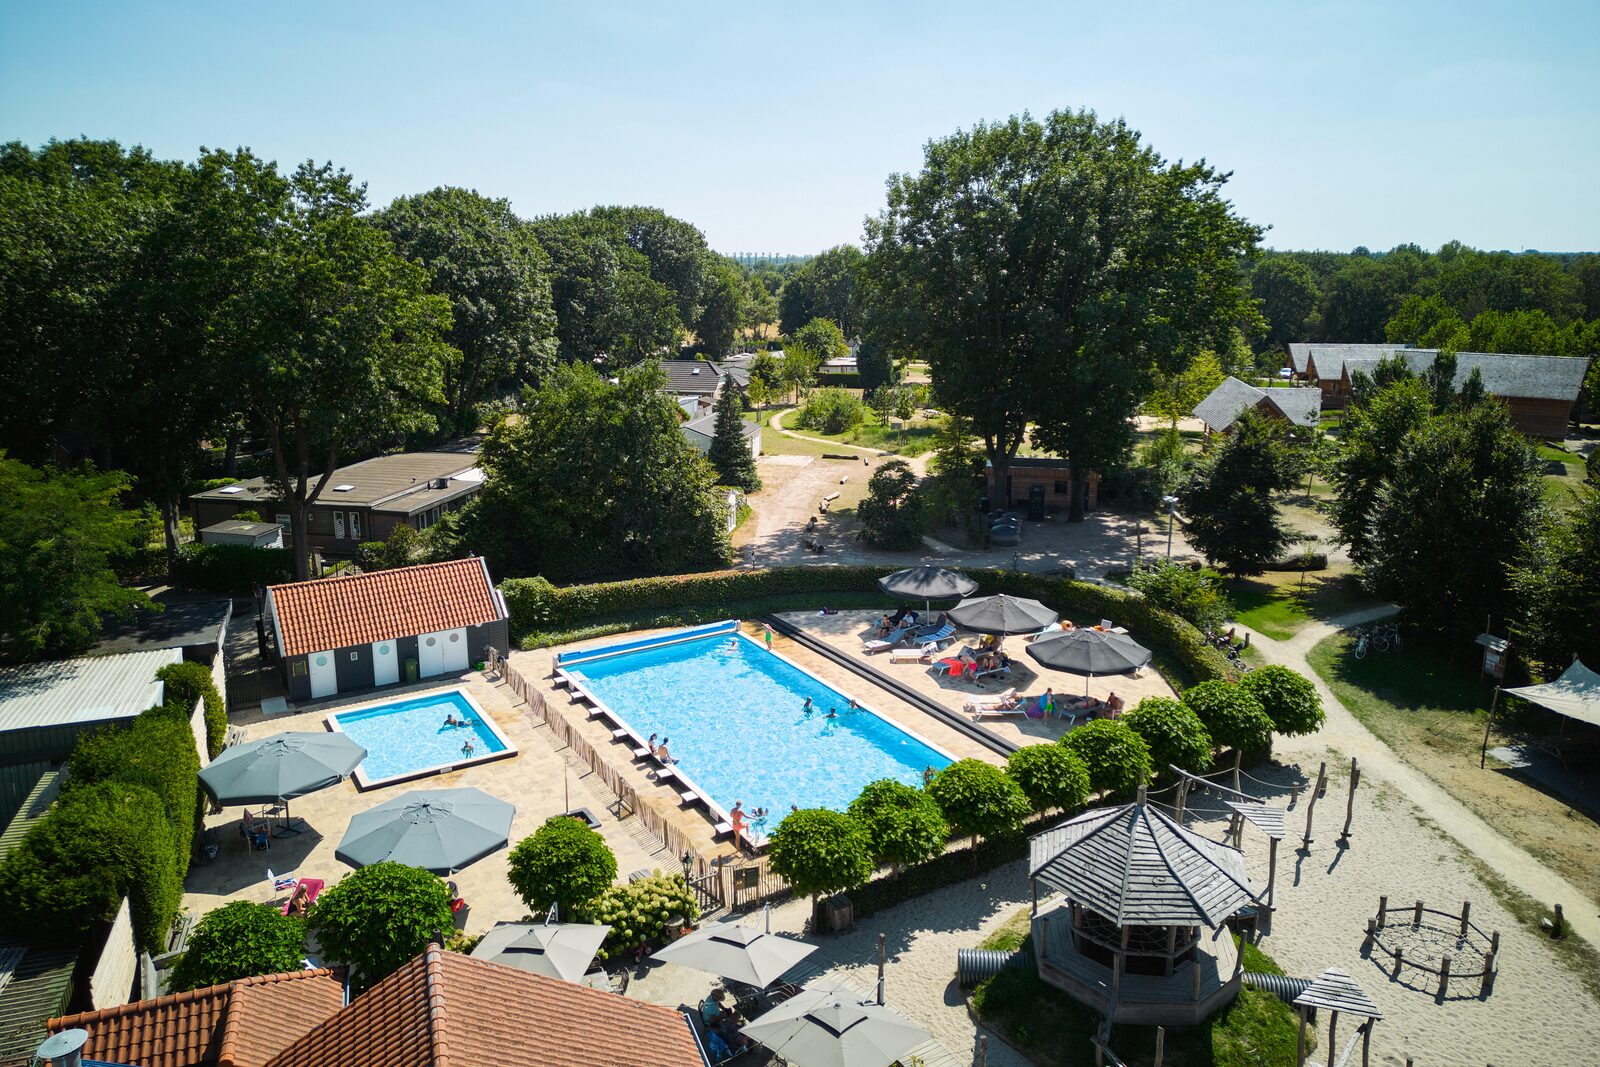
<point x="734" y="714"/>
<point x="408" y="739"/>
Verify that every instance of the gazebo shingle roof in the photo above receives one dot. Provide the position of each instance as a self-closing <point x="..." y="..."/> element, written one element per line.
<point x="1137" y="867"/>
<point x="1337" y="991"/>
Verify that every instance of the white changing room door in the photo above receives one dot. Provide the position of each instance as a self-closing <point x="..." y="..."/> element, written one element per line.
<point x="324" y="675"/>
<point x="385" y="663"/>
<point x="442" y="652"/>
<point x="455" y="651"/>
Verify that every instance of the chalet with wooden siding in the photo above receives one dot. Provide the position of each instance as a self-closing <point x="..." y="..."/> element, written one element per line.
<point x="1298" y="406"/>
<point x="1031" y="479"/>
<point x="1538" y="391"/>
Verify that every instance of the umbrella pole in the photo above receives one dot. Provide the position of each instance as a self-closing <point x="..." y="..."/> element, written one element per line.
<point x="288" y="828"/>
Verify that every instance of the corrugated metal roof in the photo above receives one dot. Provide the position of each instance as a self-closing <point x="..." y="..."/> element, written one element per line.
<point x="92" y="689"/>
<point x="33" y="808"/>
<point x="39" y="987"/>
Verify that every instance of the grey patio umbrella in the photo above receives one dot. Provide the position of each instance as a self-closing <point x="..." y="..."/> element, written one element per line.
<point x="1003" y="614"/>
<point x="557" y="950"/>
<point x="279" y="768"/>
<point x="1089" y="652"/>
<point x="742" y="953"/>
<point x="830" y="1027"/>
<point x="927" y="583"/>
<point x="435" y="829"/>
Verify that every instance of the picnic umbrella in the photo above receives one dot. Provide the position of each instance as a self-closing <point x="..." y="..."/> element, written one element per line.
<point x="1089" y="652"/>
<point x="557" y="950"/>
<point x="742" y="953"/>
<point x="927" y="583"/>
<point x="1002" y="614"/>
<point x="832" y="1027"/>
<point x="435" y="829"/>
<point x="280" y="768"/>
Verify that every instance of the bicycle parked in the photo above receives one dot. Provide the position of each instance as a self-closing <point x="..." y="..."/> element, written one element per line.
<point x="1382" y="637"/>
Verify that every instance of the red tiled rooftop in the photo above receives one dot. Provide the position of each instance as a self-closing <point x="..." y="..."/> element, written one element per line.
<point x="236" y="1024"/>
<point x="446" y="1010"/>
<point x="342" y="612"/>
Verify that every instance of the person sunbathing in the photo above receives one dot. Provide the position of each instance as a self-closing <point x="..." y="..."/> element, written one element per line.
<point x="1008" y="702"/>
<point x="300" y="903"/>
<point x="1114" y="705"/>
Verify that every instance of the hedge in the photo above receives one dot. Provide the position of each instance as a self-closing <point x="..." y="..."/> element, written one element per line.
<point x="539" y="609"/>
<point x="189" y="682"/>
<point x="232" y="568"/>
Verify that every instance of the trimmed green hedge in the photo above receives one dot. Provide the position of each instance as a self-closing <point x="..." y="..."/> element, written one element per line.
<point x="540" y="610"/>
<point x="232" y="568"/>
<point x="189" y="682"/>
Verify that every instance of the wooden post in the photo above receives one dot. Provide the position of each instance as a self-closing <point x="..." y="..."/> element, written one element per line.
<point x="1183" y="796"/>
<point x="1466" y="910"/>
<point x="1238" y="758"/>
<point x="1311" y="805"/>
<point x="1161" y="1041"/>
<point x="1034" y="883"/>
<point x="1272" y="871"/>
<point x="1118" y="963"/>
<point x="1294" y="794"/>
<point x="1372" y="934"/>
<point x="1350" y="805"/>
<point x="1333" y="1026"/>
<point x="1399" y="959"/>
<point x="1044" y="936"/>
<point x="1561" y="924"/>
<point x="1300" y="1052"/>
<point x="1444" y="975"/>
<point x="1172" y="950"/>
<point x="1416" y="918"/>
<point x="983" y="1050"/>
<point x="1489" y="969"/>
<point x="1483" y="755"/>
<point x="1366" y="1042"/>
<point x="882" y="939"/>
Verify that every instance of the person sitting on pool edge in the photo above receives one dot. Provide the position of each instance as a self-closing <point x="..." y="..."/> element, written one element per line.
<point x="651" y="745"/>
<point x="662" y="754"/>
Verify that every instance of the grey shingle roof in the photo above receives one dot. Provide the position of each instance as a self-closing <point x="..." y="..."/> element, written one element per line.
<point x="1265" y="817"/>
<point x="1225" y="403"/>
<point x="1504" y="375"/>
<point x="1136" y="866"/>
<point x="1337" y="991"/>
<point x="1298" y="351"/>
<point x="1303" y="407"/>
<point x="91" y="689"/>
<point x="690" y="376"/>
<point x="1327" y="361"/>
<point x="706" y="426"/>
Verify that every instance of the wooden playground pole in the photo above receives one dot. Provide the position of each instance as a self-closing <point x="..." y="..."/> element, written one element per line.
<point x="1238" y="758"/>
<point x="1350" y="805"/>
<point x="1333" y="1025"/>
<point x="1300" y="1053"/>
<point x="1311" y="803"/>
<point x="1272" y="870"/>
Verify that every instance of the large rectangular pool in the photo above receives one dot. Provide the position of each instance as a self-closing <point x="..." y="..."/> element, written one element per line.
<point x="408" y="739"/>
<point x="734" y="714"/>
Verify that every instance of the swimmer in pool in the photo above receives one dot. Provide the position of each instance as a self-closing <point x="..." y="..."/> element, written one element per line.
<point x="853" y="705"/>
<point x="833" y="713"/>
<point x="807" y="708"/>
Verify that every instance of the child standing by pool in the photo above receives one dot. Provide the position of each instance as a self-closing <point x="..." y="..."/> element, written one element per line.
<point x="766" y="635"/>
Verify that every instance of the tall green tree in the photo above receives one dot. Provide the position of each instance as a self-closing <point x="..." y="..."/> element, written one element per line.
<point x="239" y="940"/>
<point x="596" y="479"/>
<point x="722" y="310"/>
<point x="61" y="532"/>
<point x="1229" y="513"/>
<point x="344" y="351"/>
<point x="674" y="250"/>
<point x="608" y="306"/>
<point x="378" y="917"/>
<point x="891" y="512"/>
<point x="1288" y="294"/>
<point x="1454" y="516"/>
<point x="730" y="448"/>
<point x="1375" y="429"/>
<point x="904" y="826"/>
<point x="824" y="287"/>
<point x="1046" y="270"/>
<point x="1558" y="586"/>
<point x="487" y="263"/>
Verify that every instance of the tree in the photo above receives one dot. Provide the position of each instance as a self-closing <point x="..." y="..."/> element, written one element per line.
<point x="891" y="512"/>
<point x="674" y="250"/>
<point x="723" y="309"/>
<point x="832" y="410"/>
<point x="1288" y="294"/>
<point x="904" y="826"/>
<point x="824" y="287"/>
<point x="608" y="307"/>
<point x="1427" y="322"/>
<point x="1049" y="776"/>
<point x="798" y="371"/>
<point x="488" y="264"/>
<point x="979" y="800"/>
<point x="1175" y="735"/>
<point x="766" y="378"/>
<point x="638" y="913"/>
<point x="1376" y="428"/>
<point x="1452" y="519"/>
<point x="730" y="448"/>
<point x="1176" y="394"/>
<point x="1558" y="587"/>
<point x="823" y="339"/>
<point x="821" y="851"/>
<point x="1289" y="698"/>
<point x="1229" y="513"/>
<point x="1195" y="595"/>
<point x="60" y="534"/>
<point x="344" y="349"/>
<point x="874" y="364"/>
<point x="1117" y="758"/>
<point x="239" y="940"/>
<point x="1361" y="297"/>
<point x="597" y="479"/>
<point x="378" y="917"/>
<point x="564" y="863"/>
<point x="1046" y="270"/>
<point x="1233" y="716"/>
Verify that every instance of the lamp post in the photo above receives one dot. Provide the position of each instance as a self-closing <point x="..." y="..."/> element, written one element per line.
<point x="1172" y="513"/>
<point x="688" y="865"/>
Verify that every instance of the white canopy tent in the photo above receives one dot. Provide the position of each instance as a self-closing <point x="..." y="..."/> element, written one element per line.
<point x="1576" y="695"/>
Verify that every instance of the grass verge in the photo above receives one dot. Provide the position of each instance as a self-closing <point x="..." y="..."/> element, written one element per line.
<point x="1278" y="604"/>
<point x="1053" y="1030"/>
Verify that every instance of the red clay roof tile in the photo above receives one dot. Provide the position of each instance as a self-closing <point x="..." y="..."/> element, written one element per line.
<point x="342" y="612"/>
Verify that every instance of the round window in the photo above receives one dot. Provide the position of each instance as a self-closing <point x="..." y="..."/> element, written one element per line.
<point x="432" y="641"/>
<point x="455" y="637"/>
<point x="322" y="661"/>
<point x="383" y="650"/>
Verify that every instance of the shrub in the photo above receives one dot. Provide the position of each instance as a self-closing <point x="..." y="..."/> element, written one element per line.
<point x="1174" y="734"/>
<point x="186" y="683"/>
<point x="904" y="826"/>
<point x="156" y="751"/>
<point x="832" y="410"/>
<point x="232" y="568"/>
<point x="820" y="851"/>
<point x="978" y="799"/>
<point x="1195" y="595"/>
<point x="564" y="863"/>
<point x="99" y="843"/>
<point x="239" y="940"/>
<point x="1288" y="698"/>
<point x="639" y="911"/>
<point x="1050" y="776"/>
<point x="1234" y="717"/>
<point x="378" y="917"/>
<point x="1308" y="560"/>
<point x="1117" y="758"/>
<point x="891" y="512"/>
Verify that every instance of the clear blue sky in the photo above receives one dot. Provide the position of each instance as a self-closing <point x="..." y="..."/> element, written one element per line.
<point x="773" y="127"/>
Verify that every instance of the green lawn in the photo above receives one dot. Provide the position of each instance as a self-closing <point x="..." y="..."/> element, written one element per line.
<point x="1051" y="1029"/>
<point x="915" y="439"/>
<point x="1279" y="603"/>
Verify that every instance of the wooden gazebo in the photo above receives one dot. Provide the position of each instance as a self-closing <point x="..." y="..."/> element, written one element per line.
<point x="1137" y="934"/>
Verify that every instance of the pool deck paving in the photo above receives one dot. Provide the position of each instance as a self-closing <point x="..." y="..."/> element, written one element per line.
<point x="532" y="780"/>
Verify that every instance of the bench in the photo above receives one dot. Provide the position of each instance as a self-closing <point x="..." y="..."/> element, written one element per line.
<point x="687" y="798"/>
<point x="723" y="829"/>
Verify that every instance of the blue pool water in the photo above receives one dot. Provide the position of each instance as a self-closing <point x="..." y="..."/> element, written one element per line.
<point x="409" y="737"/>
<point x="733" y="713"/>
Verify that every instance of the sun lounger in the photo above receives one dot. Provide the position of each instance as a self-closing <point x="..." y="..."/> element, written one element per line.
<point x="895" y="637"/>
<point x="954" y="666"/>
<point x="1053" y="628"/>
<point x="313" y="890"/>
<point x="934" y="633"/>
<point x="1004" y="668"/>
<point x="1007" y="697"/>
<point x="922" y="653"/>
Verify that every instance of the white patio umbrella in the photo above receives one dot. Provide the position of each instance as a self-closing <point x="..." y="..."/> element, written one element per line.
<point x="556" y="950"/>
<point x="830" y="1027"/>
<point x="754" y="957"/>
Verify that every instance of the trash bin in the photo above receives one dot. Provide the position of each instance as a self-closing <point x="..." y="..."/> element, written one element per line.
<point x="1035" y="503"/>
<point x="411" y="668"/>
